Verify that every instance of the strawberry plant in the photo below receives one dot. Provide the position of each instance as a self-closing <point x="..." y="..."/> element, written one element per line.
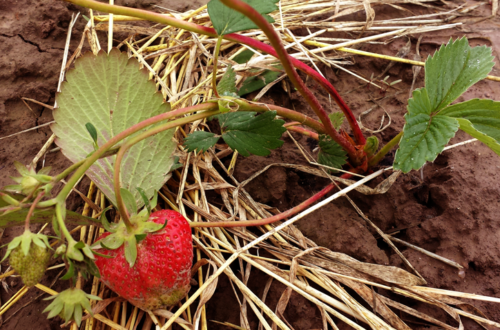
<point x="115" y="128"/>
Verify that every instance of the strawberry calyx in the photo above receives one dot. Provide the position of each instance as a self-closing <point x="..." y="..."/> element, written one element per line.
<point x="69" y="305"/>
<point x="25" y="241"/>
<point x="128" y="236"/>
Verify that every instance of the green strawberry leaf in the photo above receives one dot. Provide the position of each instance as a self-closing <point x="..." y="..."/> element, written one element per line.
<point x="200" y="141"/>
<point x="469" y="128"/>
<point x="175" y="165"/>
<point x="250" y="134"/>
<point x="337" y="119"/>
<point x="424" y="135"/>
<point x="129" y="201"/>
<point x="227" y="84"/>
<point x="131" y="250"/>
<point x="244" y="56"/>
<point x="331" y="153"/>
<point x="226" y="20"/>
<point x="92" y="132"/>
<point x="251" y="84"/>
<point x="113" y="93"/>
<point x="453" y="69"/>
<point x="484" y="116"/>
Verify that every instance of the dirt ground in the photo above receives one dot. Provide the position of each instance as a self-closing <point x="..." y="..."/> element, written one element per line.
<point x="450" y="208"/>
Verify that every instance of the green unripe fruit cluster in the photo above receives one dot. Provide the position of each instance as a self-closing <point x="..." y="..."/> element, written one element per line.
<point x="31" y="267"/>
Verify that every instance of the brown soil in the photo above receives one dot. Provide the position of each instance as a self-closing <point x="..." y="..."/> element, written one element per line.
<point x="452" y="211"/>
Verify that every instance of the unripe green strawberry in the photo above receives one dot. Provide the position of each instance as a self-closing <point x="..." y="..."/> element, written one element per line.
<point x="31" y="267"/>
<point x="161" y="274"/>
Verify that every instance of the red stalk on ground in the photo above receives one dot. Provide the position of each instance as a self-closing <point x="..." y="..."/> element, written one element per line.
<point x="164" y="19"/>
<point x="294" y="210"/>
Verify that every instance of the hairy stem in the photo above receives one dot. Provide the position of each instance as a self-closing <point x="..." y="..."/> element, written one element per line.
<point x="275" y="40"/>
<point x="61" y="197"/>
<point x="385" y="150"/>
<point x="159" y="18"/>
<point x="250" y="223"/>
<point x="303" y="131"/>
<point x="31" y="210"/>
<point x="127" y="145"/>
<point x="214" y="72"/>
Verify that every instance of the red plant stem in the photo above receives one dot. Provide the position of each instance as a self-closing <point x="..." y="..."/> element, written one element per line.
<point x="31" y="210"/>
<point x="164" y="19"/>
<point x="250" y="223"/>
<point x="302" y="131"/>
<point x="244" y="105"/>
<point x="275" y="40"/>
<point x="127" y="145"/>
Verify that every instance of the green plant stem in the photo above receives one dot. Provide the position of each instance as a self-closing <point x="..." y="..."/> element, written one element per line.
<point x="354" y="155"/>
<point x="385" y="150"/>
<point x="214" y="72"/>
<point x="164" y="19"/>
<point x="76" y="165"/>
<point x="61" y="197"/>
<point x="250" y="223"/>
<point x="31" y="210"/>
<point x="127" y="145"/>
<point x="62" y="225"/>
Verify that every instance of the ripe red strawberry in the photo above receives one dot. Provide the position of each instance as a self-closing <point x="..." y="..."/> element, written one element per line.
<point x="162" y="271"/>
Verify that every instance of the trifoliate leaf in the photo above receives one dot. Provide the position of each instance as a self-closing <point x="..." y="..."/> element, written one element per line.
<point x="331" y="153"/>
<point x="250" y="134"/>
<point x="480" y="119"/>
<point x="113" y="93"/>
<point x="337" y="119"/>
<point x="424" y="134"/>
<point x="254" y="83"/>
<point x="227" y="84"/>
<point x="453" y="69"/>
<point x="226" y="20"/>
<point x="200" y="140"/>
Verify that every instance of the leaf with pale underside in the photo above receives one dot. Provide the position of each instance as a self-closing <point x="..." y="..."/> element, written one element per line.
<point x="226" y="20"/>
<point x="113" y="93"/>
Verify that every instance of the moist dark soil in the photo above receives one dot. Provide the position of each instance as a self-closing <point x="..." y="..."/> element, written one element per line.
<point x="450" y="208"/>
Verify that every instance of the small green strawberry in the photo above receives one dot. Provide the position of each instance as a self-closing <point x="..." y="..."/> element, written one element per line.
<point x="29" y="256"/>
